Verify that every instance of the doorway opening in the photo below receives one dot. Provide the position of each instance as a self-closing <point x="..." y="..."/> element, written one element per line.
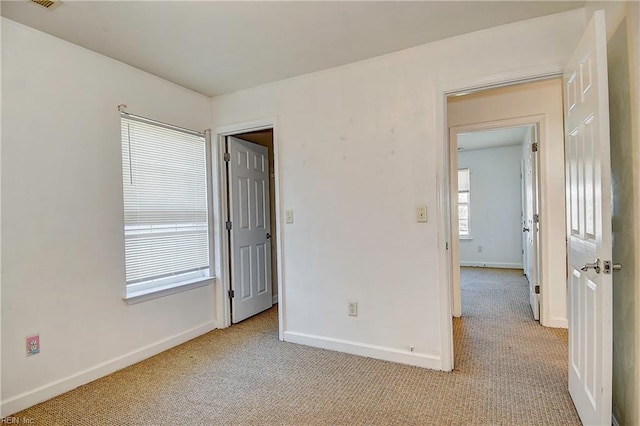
<point x="252" y="255"/>
<point x="534" y="111"/>
<point x="245" y="162"/>
<point x="497" y="201"/>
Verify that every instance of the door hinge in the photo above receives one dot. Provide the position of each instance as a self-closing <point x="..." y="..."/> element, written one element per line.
<point x="534" y="147"/>
<point x="536" y="218"/>
<point x="446" y="246"/>
<point x="522" y="251"/>
<point x="536" y="289"/>
<point x="229" y="225"/>
<point x="232" y="294"/>
<point x="227" y="156"/>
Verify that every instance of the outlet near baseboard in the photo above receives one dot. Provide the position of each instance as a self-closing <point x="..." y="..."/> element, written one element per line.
<point x="33" y="345"/>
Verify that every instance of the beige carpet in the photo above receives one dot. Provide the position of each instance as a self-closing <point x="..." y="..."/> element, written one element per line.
<point x="509" y="370"/>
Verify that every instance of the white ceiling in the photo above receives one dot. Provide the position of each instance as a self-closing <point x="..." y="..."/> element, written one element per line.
<point x="219" y="47"/>
<point x="492" y="138"/>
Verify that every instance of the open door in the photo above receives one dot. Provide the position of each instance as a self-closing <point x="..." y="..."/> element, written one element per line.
<point x="249" y="227"/>
<point x="530" y="221"/>
<point x="588" y="189"/>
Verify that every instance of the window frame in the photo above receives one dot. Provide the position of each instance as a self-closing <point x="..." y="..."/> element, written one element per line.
<point x="467" y="203"/>
<point x="140" y="290"/>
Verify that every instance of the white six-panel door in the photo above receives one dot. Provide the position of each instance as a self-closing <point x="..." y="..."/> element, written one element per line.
<point x="248" y="177"/>
<point x="588" y="190"/>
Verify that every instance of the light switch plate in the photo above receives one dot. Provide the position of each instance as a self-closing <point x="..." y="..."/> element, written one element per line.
<point x="353" y="308"/>
<point x="421" y="214"/>
<point x="289" y="216"/>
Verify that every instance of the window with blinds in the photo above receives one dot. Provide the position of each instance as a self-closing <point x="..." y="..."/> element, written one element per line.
<point x="464" y="198"/>
<point x="166" y="228"/>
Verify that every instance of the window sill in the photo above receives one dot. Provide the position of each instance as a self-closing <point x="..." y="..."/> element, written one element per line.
<point x="153" y="293"/>
<point x="467" y="237"/>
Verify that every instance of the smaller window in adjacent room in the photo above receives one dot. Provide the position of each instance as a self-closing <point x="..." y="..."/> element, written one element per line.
<point x="166" y="231"/>
<point x="464" y="198"/>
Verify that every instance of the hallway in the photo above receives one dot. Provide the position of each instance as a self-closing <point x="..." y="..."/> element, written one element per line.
<point x="498" y="345"/>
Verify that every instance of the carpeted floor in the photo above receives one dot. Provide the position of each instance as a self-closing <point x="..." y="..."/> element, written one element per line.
<point x="509" y="370"/>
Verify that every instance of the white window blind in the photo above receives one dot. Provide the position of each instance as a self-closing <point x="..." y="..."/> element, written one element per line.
<point x="464" y="198"/>
<point x="165" y="205"/>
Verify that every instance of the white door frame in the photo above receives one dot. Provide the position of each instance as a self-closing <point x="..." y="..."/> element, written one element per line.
<point x="535" y="120"/>
<point x="221" y="208"/>
<point x="445" y="235"/>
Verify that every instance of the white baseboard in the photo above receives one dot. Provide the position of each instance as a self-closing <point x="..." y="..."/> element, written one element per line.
<point x="556" y="323"/>
<point x="274" y="299"/>
<point x="372" y="351"/>
<point x="492" y="265"/>
<point x="50" y="390"/>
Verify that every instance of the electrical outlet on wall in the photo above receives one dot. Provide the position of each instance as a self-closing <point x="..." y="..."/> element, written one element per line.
<point x="421" y="214"/>
<point x="33" y="345"/>
<point x="289" y="216"/>
<point x="479" y="249"/>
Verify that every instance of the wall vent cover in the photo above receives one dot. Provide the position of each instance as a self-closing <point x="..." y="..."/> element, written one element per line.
<point x="47" y="4"/>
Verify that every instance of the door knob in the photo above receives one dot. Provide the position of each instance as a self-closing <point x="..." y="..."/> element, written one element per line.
<point x="595" y="266"/>
<point x="268" y="235"/>
<point x="525" y="229"/>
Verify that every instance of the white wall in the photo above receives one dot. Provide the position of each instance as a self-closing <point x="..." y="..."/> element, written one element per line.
<point x="62" y="217"/>
<point x="540" y="98"/>
<point x="633" y="22"/>
<point x="1" y="411"/>
<point x="358" y="153"/>
<point x="496" y="206"/>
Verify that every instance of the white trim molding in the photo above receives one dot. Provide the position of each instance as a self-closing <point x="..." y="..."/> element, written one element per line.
<point x="555" y="322"/>
<point x="58" y="387"/>
<point x="492" y="265"/>
<point x="362" y="349"/>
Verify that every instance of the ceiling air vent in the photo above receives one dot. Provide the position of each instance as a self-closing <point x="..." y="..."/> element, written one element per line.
<point x="47" y="4"/>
